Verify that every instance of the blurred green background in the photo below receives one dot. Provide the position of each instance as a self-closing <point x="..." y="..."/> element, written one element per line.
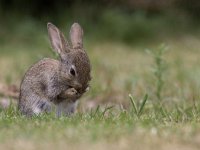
<point x="129" y="21"/>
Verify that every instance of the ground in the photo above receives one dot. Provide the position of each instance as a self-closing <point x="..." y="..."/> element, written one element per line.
<point x="105" y="117"/>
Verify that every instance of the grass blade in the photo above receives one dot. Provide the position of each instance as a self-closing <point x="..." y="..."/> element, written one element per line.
<point x="143" y="104"/>
<point x="106" y="109"/>
<point x="96" y="111"/>
<point x="133" y="104"/>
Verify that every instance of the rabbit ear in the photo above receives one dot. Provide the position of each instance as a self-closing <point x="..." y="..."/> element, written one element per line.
<point x="76" y="35"/>
<point x="58" y="42"/>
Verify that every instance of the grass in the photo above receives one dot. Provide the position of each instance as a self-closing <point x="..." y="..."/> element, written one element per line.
<point x="106" y="118"/>
<point x="120" y="130"/>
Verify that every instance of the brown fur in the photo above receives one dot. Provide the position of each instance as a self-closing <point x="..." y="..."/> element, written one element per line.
<point x="50" y="81"/>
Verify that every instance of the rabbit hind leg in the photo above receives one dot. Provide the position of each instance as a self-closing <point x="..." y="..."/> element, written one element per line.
<point x="66" y="108"/>
<point x="41" y="107"/>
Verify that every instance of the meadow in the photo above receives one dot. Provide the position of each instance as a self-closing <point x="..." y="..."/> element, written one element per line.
<point x="143" y="95"/>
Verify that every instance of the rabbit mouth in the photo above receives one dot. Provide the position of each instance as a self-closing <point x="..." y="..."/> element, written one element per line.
<point x="70" y="86"/>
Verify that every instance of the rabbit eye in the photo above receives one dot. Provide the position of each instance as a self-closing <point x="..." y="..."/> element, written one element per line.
<point x="72" y="72"/>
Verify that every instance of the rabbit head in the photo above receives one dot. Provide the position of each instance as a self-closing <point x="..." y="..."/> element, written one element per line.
<point x="74" y="68"/>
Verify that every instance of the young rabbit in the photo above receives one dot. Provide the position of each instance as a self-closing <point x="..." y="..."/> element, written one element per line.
<point x="57" y="82"/>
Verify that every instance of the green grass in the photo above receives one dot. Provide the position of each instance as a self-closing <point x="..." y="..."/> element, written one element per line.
<point x="115" y="128"/>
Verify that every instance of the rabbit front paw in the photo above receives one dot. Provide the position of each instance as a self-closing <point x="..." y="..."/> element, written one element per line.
<point x="70" y="93"/>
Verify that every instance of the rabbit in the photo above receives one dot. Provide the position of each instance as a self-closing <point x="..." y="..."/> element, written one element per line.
<point x="58" y="83"/>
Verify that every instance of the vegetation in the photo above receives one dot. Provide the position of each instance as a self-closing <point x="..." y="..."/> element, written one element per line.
<point x="129" y="106"/>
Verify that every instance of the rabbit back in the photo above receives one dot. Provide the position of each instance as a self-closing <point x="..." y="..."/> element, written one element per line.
<point x="39" y="87"/>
